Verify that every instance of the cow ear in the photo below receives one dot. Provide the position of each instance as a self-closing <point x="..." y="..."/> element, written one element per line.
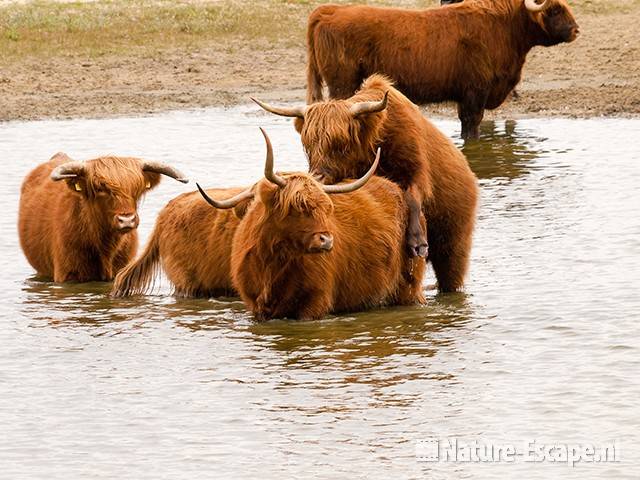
<point x="298" y="123"/>
<point x="77" y="185"/>
<point x="151" y="180"/>
<point x="240" y="209"/>
<point x="266" y="193"/>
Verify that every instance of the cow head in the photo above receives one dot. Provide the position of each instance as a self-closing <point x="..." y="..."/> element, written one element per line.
<point x="109" y="188"/>
<point x="555" y="20"/>
<point x="294" y="209"/>
<point x="337" y="135"/>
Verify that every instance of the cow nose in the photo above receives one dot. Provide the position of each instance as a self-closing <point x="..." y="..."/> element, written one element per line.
<point x="326" y="241"/>
<point x="127" y="222"/>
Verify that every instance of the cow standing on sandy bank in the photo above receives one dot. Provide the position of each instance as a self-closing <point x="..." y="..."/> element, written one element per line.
<point x="339" y="137"/>
<point x="304" y="249"/>
<point x="77" y="220"/>
<point x="471" y="53"/>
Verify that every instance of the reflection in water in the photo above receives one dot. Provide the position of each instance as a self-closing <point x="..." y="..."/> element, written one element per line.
<point x="368" y="335"/>
<point x="502" y="152"/>
<point x="542" y="344"/>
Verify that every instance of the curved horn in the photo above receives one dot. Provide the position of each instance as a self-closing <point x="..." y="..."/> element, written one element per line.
<point x="228" y="203"/>
<point x="269" y="174"/>
<point x="164" y="169"/>
<point x="350" y="187"/>
<point x="67" y="170"/>
<point x="283" y="111"/>
<point x="361" y="108"/>
<point x="532" y="6"/>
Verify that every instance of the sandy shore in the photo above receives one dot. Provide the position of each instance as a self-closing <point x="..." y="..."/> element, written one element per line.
<point x="597" y="75"/>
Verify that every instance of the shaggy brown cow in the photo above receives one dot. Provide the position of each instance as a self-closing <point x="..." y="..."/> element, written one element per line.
<point x="193" y="244"/>
<point x="78" y="220"/>
<point x="471" y="53"/>
<point x="339" y="136"/>
<point x="301" y="253"/>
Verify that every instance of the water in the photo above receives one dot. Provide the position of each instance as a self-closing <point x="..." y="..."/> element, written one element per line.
<point x="542" y="345"/>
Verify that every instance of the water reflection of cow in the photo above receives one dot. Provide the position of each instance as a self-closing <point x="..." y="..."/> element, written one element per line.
<point x="504" y="152"/>
<point x="374" y="335"/>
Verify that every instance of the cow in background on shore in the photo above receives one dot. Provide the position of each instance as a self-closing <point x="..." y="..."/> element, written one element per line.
<point x="471" y="53"/>
<point x="304" y="249"/>
<point x="339" y="137"/>
<point x="77" y="220"/>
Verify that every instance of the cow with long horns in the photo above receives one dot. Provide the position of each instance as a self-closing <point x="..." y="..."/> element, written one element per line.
<point x="340" y="135"/>
<point x="87" y="229"/>
<point x="471" y="53"/>
<point x="304" y="249"/>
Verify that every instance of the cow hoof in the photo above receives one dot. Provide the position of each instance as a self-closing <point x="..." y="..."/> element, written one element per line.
<point x="418" y="249"/>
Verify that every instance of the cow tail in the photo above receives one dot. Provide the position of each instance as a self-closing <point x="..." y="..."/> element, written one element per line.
<point x="138" y="276"/>
<point x="314" y="78"/>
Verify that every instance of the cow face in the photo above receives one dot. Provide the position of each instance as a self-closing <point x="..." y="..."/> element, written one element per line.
<point x="556" y="21"/>
<point x="110" y="188"/>
<point x="299" y="214"/>
<point x="560" y="23"/>
<point x="294" y="210"/>
<point x="339" y="136"/>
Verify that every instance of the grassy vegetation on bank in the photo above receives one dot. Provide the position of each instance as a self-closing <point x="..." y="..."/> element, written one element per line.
<point x="46" y="28"/>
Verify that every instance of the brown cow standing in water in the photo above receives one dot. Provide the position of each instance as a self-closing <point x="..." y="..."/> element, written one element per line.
<point x="340" y="135"/>
<point x="192" y="242"/>
<point x="77" y="220"/>
<point x="304" y="249"/>
<point x="471" y="53"/>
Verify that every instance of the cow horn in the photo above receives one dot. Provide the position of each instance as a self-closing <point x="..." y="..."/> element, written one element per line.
<point x="67" y="170"/>
<point x="532" y="6"/>
<point x="230" y="202"/>
<point x="269" y="174"/>
<point x="164" y="169"/>
<point x="361" y="108"/>
<point x="350" y="187"/>
<point x="282" y="111"/>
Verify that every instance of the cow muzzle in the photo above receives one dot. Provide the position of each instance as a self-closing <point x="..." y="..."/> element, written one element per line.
<point x="127" y="222"/>
<point x="321" y="242"/>
<point x="573" y="33"/>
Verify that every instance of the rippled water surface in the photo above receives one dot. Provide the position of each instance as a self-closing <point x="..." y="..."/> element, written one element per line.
<point x="544" y="343"/>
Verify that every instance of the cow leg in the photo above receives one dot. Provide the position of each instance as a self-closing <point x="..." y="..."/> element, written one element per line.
<point x="450" y="247"/>
<point x="416" y="236"/>
<point x="470" y="113"/>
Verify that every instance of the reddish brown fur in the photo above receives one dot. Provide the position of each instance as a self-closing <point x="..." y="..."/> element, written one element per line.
<point x="415" y="155"/>
<point x="471" y="53"/>
<point x="276" y="275"/>
<point x="70" y="236"/>
<point x="192" y="241"/>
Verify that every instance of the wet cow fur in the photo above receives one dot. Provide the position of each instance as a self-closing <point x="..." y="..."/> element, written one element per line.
<point x="192" y="243"/>
<point x="415" y="155"/>
<point x="279" y="273"/>
<point x="68" y="228"/>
